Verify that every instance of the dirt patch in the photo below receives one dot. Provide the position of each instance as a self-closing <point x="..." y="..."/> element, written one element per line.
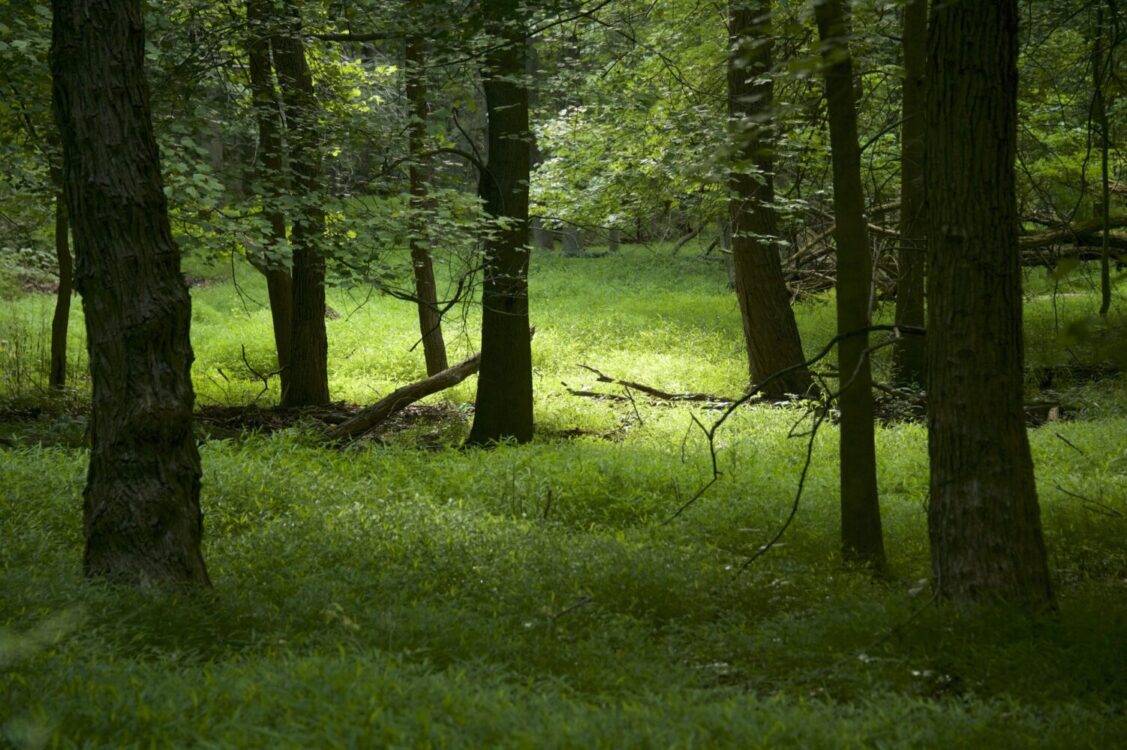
<point x="221" y="422"/>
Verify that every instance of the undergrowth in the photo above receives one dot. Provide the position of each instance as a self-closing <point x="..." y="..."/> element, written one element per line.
<point x="540" y="595"/>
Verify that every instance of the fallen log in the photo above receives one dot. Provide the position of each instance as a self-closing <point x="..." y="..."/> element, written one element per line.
<point x="401" y="398"/>
<point x="1088" y="232"/>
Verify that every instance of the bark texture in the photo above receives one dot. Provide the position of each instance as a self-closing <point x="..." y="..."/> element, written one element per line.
<point x="983" y="518"/>
<point x="426" y="292"/>
<point x="861" y="537"/>
<point x="268" y="118"/>
<point x="770" y="331"/>
<point x="503" y="409"/>
<point x="142" y="517"/>
<point x="909" y="357"/>
<point x="309" y="349"/>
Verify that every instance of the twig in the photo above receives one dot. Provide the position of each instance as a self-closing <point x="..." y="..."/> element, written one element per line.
<point x="265" y="378"/>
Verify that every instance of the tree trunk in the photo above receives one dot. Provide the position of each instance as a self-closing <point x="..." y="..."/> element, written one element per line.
<point x="983" y="518"/>
<point x="267" y="114"/>
<point x="430" y="319"/>
<point x="142" y="517"/>
<point x="504" y="386"/>
<point x="1101" y="64"/>
<point x="861" y="537"/>
<point x="614" y="239"/>
<point x="770" y="331"/>
<point x="909" y="356"/>
<point x="572" y="242"/>
<point x="61" y="320"/>
<point x="308" y="360"/>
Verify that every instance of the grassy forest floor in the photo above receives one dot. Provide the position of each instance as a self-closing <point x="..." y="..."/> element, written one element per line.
<point x="402" y="592"/>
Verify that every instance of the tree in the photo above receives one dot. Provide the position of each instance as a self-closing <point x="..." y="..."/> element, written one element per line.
<point x="983" y="518"/>
<point x="861" y="536"/>
<point x="430" y="317"/>
<point x="308" y="358"/>
<point x="37" y="168"/>
<point x="1102" y="67"/>
<point x="503" y="408"/>
<point x="770" y="331"/>
<point x="909" y="357"/>
<point x="60" y="321"/>
<point x="268" y="119"/>
<point x="142" y="517"/>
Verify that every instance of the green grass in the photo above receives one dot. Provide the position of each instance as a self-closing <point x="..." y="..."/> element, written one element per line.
<point x="534" y="596"/>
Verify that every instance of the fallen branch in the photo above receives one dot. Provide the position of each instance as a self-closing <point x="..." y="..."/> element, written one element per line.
<point x="655" y="392"/>
<point x="401" y="398"/>
<point x="1087" y="232"/>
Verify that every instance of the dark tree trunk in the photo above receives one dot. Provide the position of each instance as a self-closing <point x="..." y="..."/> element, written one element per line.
<point x="861" y="537"/>
<point x="983" y="518"/>
<point x="430" y="319"/>
<point x="267" y="114"/>
<point x="770" y="331"/>
<point x="142" y="514"/>
<point x="61" y="320"/>
<point x="909" y="356"/>
<point x="308" y="360"/>
<point x="504" y="386"/>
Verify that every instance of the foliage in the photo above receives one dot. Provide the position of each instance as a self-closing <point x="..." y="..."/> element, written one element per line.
<point x="533" y="596"/>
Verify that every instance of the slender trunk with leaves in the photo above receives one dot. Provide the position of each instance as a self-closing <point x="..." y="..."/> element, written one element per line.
<point x="267" y="115"/>
<point x="426" y="292"/>
<point x="308" y="359"/>
<point x="60" y="322"/>
<point x="983" y="517"/>
<point x="142" y="518"/>
<point x="503" y="408"/>
<point x="1101" y="65"/>
<point x="909" y="356"/>
<point x="861" y="536"/>
<point x="770" y="330"/>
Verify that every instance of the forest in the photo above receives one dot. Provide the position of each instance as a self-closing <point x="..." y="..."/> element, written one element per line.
<point x="563" y="373"/>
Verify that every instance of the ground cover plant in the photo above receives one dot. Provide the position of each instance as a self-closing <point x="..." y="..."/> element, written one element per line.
<point x="404" y="592"/>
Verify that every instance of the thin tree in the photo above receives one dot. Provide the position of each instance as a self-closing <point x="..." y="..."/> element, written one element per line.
<point x="1102" y="58"/>
<point x="60" y="321"/>
<point x="308" y="359"/>
<point x="909" y="356"/>
<point x="861" y="536"/>
<point x="430" y="318"/>
<point x="983" y="518"/>
<point x="503" y="408"/>
<point x="142" y="517"/>
<point x="270" y="165"/>
<point x="770" y="330"/>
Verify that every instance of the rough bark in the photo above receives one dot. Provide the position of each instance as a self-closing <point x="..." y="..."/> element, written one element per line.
<point x="503" y="408"/>
<point x="426" y="293"/>
<point x="60" y="322"/>
<point x="861" y="537"/>
<point x="308" y="359"/>
<point x="983" y="517"/>
<point x="909" y="356"/>
<point x="267" y="115"/>
<point x="142" y="517"/>
<point x="770" y="330"/>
